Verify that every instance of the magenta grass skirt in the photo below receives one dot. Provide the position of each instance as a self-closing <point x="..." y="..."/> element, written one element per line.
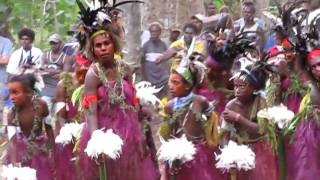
<point x="266" y="164"/>
<point x="201" y="167"/>
<point x="303" y="153"/>
<point x="33" y="157"/>
<point x="64" y="165"/>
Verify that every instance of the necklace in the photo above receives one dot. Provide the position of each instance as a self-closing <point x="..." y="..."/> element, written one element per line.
<point x="31" y="141"/>
<point x="114" y="97"/>
<point x="57" y="60"/>
<point x="35" y="124"/>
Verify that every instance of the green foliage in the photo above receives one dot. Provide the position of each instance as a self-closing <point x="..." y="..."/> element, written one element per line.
<point x="233" y="5"/>
<point x="58" y="17"/>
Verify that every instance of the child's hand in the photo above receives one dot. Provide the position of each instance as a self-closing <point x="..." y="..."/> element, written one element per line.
<point x="230" y="116"/>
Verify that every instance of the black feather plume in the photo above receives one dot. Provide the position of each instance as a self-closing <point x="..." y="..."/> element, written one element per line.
<point x="124" y="2"/>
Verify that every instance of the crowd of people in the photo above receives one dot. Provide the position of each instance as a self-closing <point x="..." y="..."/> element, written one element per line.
<point x="214" y="75"/>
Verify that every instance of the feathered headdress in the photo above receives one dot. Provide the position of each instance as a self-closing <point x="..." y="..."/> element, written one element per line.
<point x="302" y="28"/>
<point x="238" y="45"/>
<point x="300" y="25"/>
<point x="192" y="70"/>
<point x="97" y="16"/>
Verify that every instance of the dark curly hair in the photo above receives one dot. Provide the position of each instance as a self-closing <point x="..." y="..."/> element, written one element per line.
<point x="256" y="76"/>
<point x="28" y="81"/>
<point x="26" y="32"/>
<point x="191" y="26"/>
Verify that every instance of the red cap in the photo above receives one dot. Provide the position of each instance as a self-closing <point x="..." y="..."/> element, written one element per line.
<point x="313" y="53"/>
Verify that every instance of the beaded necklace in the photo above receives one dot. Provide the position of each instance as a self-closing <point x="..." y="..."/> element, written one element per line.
<point x="35" y="124"/>
<point x="114" y="97"/>
<point x="31" y="144"/>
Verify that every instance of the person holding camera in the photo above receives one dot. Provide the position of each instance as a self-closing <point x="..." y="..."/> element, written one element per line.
<point x="27" y="55"/>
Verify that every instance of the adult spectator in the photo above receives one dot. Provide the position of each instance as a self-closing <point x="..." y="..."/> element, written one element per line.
<point x="174" y="34"/>
<point x="211" y="9"/>
<point x="5" y="53"/>
<point x="187" y="43"/>
<point x="26" y="55"/>
<point x="251" y="25"/>
<point x="224" y="10"/>
<point x="196" y="20"/>
<point x="157" y="74"/>
<point x="248" y="6"/>
<point x="53" y="63"/>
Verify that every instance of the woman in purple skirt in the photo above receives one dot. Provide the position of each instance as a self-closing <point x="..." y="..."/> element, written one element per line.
<point x="110" y="103"/>
<point x="304" y="157"/>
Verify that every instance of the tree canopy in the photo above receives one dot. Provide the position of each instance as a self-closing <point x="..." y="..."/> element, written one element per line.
<point x="45" y="17"/>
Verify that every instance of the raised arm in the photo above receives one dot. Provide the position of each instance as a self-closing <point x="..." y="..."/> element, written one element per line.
<point x="167" y="54"/>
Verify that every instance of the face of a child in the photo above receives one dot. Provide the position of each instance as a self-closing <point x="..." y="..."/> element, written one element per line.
<point x="18" y="94"/>
<point x="314" y="65"/>
<point x="289" y="52"/>
<point x="177" y="87"/>
<point x="80" y="73"/>
<point x="242" y="89"/>
<point x="214" y="70"/>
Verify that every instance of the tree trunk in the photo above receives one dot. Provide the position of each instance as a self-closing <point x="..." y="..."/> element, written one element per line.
<point x="261" y="5"/>
<point x="170" y="12"/>
<point x="132" y="37"/>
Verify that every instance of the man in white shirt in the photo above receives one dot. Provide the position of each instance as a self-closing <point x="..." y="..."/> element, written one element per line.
<point x="25" y="56"/>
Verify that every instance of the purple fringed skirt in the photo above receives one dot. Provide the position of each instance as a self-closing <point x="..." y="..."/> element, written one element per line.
<point x="293" y="102"/>
<point x="266" y="164"/>
<point x="35" y="156"/>
<point x="201" y="167"/>
<point x="132" y="163"/>
<point x="303" y="153"/>
<point x="64" y="166"/>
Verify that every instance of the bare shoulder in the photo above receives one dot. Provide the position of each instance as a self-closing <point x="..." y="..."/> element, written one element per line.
<point x="168" y="107"/>
<point x="43" y="107"/>
<point x="60" y="84"/>
<point x="231" y="104"/>
<point x="200" y="99"/>
<point x="60" y="91"/>
<point x="91" y="80"/>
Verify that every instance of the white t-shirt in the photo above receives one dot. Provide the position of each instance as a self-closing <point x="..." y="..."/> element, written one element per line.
<point x="20" y="57"/>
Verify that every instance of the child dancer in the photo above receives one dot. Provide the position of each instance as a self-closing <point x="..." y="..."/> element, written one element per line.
<point x="185" y="114"/>
<point x="30" y="146"/>
<point x="242" y="126"/>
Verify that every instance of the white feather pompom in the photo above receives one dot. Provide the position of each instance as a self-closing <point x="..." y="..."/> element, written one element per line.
<point x="176" y="149"/>
<point x="18" y="173"/>
<point x="280" y="115"/>
<point x="240" y="157"/>
<point x="146" y="93"/>
<point x="107" y="143"/>
<point x="68" y="132"/>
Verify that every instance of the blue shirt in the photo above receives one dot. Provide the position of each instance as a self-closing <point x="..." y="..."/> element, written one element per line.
<point x="5" y="46"/>
<point x="4" y="93"/>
